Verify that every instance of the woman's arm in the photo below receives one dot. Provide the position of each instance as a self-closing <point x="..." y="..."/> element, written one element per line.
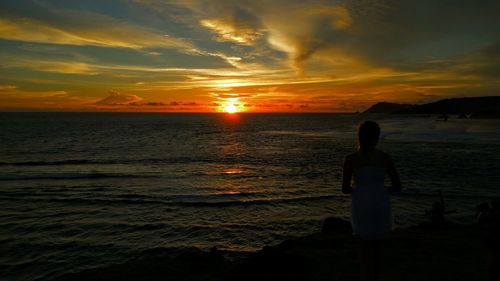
<point x="347" y="176"/>
<point x="393" y="175"/>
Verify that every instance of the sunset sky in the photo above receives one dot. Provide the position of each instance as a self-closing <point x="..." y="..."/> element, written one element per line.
<point x="252" y="55"/>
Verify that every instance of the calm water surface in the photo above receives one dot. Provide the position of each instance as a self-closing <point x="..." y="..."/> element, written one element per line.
<point x="82" y="190"/>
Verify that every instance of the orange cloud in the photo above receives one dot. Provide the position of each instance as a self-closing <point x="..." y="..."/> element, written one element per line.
<point x="116" y="98"/>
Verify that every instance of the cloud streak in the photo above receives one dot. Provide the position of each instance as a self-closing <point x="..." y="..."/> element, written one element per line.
<point x="53" y="25"/>
<point x="232" y="30"/>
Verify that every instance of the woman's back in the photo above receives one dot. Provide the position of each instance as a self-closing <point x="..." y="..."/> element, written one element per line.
<point x="371" y="211"/>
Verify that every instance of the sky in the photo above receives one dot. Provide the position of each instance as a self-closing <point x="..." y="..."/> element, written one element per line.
<point x="244" y="55"/>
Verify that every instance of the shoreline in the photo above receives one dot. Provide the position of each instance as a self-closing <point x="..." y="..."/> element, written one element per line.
<point x="453" y="252"/>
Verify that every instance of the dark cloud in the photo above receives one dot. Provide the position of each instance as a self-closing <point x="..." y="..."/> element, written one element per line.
<point x="154" y="104"/>
<point x="402" y="32"/>
<point x="485" y="62"/>
<point x="115" y="98"/>
<point x="381" y="33"/>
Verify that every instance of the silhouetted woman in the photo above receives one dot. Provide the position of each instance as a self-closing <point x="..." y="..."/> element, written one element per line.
<point x="371" y="216"/>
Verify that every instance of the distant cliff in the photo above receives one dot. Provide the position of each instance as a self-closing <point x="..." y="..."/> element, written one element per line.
<point x="387" y="107"/>
<point x="476" y="107"/>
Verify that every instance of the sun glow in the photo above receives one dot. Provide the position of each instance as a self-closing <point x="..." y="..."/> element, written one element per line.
<point x="230" y="106"/>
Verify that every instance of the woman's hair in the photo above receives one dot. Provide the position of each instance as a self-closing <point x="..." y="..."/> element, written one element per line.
<point x="368" y="134"/>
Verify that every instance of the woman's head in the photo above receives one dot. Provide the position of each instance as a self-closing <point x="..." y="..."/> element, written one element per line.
<point x="368" y="134"/>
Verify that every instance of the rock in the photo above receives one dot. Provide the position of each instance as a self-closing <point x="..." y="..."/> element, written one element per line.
<point x="272" y="264"/>
<point x="333" y="224"/>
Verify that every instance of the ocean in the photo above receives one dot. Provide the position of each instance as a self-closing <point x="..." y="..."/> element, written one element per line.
<point x="82" y="190"/>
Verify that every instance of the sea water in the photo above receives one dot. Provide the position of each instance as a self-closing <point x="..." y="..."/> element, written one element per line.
<point x="80" y="190"/>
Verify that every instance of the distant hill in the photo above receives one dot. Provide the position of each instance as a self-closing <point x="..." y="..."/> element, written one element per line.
<point x="387" y="107"/>
<point x="476" y="107"/>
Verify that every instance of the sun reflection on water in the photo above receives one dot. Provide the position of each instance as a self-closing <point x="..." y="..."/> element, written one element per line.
<point x="232" y="171"/>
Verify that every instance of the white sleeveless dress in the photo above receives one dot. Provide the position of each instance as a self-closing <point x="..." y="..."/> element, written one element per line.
<point x="371" y="216"/>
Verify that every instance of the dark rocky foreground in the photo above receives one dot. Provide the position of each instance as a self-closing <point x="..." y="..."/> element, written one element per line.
<point x="417" y="253"/>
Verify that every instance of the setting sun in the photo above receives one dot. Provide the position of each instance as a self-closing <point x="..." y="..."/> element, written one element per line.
<point x="230" y="108"/>
<point x="230" y="105"/>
